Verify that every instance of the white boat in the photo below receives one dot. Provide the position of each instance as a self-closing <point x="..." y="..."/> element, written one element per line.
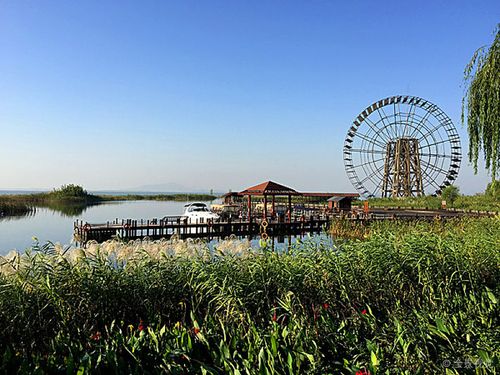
<point x="198" y="213"/>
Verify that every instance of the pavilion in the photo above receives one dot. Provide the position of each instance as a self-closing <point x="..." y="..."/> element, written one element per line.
<point x="269" y="189"/>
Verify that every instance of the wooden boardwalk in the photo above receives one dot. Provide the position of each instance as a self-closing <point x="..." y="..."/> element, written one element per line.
<point x="175" y="225"/>
<point x="299" y="224"/>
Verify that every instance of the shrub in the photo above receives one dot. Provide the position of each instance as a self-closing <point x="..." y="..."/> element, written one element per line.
<point x="450" y="194"/>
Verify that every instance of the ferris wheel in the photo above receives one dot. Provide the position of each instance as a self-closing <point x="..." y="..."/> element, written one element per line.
<point x="402" y="146"/>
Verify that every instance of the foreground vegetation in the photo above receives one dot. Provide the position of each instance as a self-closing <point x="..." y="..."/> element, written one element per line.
<point x="397" y="302"/>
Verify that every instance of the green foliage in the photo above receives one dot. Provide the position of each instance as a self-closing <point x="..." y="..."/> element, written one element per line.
<point x="493" y="189"/>
<point x="481" y="105"/>
<point x="450" y="193"/>
<point x="481" y="202"/>
<point x="69" y="191"/>
<point x="409" y="297"/>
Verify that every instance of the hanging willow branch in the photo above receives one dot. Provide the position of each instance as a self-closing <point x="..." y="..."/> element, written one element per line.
<point x="481" y="105"/>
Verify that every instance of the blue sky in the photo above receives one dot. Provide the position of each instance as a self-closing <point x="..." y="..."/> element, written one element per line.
<point x="217" y="94"/>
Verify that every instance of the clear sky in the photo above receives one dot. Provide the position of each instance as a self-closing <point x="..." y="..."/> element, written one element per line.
<point x="217" y="94"/>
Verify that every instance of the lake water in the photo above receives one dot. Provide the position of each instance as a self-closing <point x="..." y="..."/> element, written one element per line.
<point x="46" y="224"/>
<point x="50" y="225"/>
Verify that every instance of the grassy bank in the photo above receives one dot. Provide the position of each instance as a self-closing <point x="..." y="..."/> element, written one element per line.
<point x="397" y="302"/>
<point x="482" y="202"/>
<point x="69" y="200"/>
<point x="72" y="200"/>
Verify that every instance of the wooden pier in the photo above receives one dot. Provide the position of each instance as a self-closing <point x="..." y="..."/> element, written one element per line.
<point x="178" y="226"/>
<point x="169" y="226"/>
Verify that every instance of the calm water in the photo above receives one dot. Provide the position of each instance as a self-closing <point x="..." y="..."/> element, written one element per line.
<point x="49" y="225"/>
<point x="56" y="226"/>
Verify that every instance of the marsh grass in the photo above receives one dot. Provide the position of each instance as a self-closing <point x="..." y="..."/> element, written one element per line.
<point x="402" y="300"/>
<point x="14" y="209"/>
<point x="481" y="202"/>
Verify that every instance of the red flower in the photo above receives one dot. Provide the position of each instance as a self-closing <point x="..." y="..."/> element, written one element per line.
<point x="196" y="330"/>
<point x="274" y="316"/>
<point x="96" y="336"/>
<point x="363" y="311"/>
<point x="141" y="326"/>
<point x="326" y="306"/>
<point x="363" y="372"/>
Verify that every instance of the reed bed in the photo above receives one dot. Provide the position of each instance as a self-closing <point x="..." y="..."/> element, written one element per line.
<point x="13" y="209"/>
<point x="481" y="202"/>
<point x="408" y="298"/>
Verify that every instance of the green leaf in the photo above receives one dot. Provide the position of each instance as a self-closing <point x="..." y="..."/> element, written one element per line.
<point x="374" y="359"/>
<point x="491" y="296"/>
<point x="274" y="346"/>
<point x="441" y="326"/>
<point x="290" y="362"/>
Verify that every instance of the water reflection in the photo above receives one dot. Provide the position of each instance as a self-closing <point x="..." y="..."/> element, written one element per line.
<point x="70" y="209"/>
<point x="55" y="222"/>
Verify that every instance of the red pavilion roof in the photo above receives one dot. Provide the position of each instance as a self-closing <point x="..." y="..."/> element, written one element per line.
<point x="269" y="188"/>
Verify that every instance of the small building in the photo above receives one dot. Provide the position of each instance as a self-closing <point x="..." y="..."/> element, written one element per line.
<point x="340" y="203"/>
<point x="269" y="189"/>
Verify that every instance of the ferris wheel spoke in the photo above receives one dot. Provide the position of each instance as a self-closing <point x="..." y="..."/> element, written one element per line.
<point x="367" y="177"/>
<point x="369" y="162"/>
<point x="420" y="123"/>
<point x="369" y="140"/>
<point x="435" y="143"/>
<point x="395" y="121"/>
<point x="411" y="114"/>
<point x="434" y="167"/>
<point x="383" y="129"/>
<point x="430" y="180"/>
<point x="401" y="121"/>
<point x="388" y="126"/>
<point x="437" y="127"/>
<point x="367" y="151"/>
<point x="375" y="130"/>
<point x="436" y="155"/>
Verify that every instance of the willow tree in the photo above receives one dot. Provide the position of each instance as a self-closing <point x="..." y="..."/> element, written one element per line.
<point x="481" y="105"/>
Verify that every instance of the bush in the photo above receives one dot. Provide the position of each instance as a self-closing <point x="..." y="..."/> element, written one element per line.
<point x="70" y="191"/>
<point x="450" y="194"/>
<point x="493" y="189"/>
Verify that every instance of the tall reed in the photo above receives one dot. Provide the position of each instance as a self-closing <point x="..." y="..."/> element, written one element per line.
<point x="406" y="299"/>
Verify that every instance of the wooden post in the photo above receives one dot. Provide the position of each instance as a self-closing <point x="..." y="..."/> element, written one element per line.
<point x="274" y="205"/>
<point x="289" y="208"/>
<point x="249" y="208"/>
<point x="265" y="206"/>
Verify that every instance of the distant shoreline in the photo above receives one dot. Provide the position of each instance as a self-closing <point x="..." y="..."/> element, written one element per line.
<point x="23" y="203"/>
<point x="14" y="192"/>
